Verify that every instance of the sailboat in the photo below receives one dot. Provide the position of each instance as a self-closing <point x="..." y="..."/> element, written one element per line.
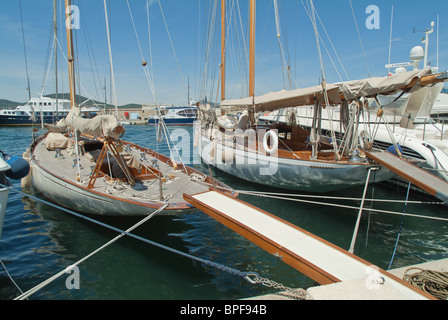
<point x="288" y="156"/>
<point x="406" y="121"/>
<point x="84" y="165"/>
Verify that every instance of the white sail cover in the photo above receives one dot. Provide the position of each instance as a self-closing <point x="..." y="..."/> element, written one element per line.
<point x="99" y="126"/>
<point x="350" y="90"/>
<point x="283" y="99"/>
<point x="380" y="85"/>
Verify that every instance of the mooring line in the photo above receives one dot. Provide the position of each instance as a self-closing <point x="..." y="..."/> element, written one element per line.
<point x="231" y="270"/>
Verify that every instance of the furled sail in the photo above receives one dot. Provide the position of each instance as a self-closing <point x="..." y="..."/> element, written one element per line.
<point x="282" y="99"/>
<point x="382" y="85"/>
<point x="337" y="92"/>
<point x="99" y="126"/>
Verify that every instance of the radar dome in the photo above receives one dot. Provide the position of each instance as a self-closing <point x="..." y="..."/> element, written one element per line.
<point x="417" y="53"/>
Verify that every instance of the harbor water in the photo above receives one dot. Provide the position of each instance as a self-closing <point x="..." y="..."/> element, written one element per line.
<point x="38" y="240"/>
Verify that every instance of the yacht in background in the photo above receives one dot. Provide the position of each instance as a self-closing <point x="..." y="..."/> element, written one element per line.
<point x="440" y="108"/>
<point x="175" y="116"/>
<point x="41" y="110"/>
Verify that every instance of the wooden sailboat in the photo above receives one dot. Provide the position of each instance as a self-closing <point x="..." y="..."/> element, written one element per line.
<point x="83" y="164"/>
<point x="288" y="156"/>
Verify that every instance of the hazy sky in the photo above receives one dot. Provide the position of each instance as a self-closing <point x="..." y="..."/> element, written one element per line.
<point x="197" y="48"/>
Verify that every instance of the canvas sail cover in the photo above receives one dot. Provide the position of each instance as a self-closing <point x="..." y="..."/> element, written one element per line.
<point x="350" y="90"/>
<point x="380" y="85"/>
<point x="99" y="126"/>
<point x="283" y="99"/>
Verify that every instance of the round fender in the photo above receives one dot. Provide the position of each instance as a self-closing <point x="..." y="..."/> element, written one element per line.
<point x="19" y="168"/>
<point x="274" y="141"/>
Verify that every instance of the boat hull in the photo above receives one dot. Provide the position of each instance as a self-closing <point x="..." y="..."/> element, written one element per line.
<point x="26" y="120"/>
<point x="54" y="177"/>
<point x="422" y="142"/>
<point x="291" y="174"/>
<point x="4" y="192"/>
<point x="172" y="122"/>
<point x="80" y="199"/>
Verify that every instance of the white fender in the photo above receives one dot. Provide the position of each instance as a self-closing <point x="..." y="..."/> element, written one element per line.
<point x="213" y="150"/>
<point x="26" y="182"/>
<point x="274" y="141"/>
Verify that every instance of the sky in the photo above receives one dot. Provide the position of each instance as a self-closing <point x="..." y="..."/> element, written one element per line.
<point x="181" y="46"/>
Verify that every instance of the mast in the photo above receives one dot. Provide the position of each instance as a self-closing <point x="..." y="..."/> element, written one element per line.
<point x="112" y="78"/>
<point x="223" y="50"/>
<point x="252" y="50"/>
<point x="71" y="59"/>
<point x="55" y="27"/>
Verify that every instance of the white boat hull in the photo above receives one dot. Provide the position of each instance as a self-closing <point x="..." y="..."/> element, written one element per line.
<point x="70" y="186"/>
<point x="4" y="192"/>
<point x="424" y="142"/>
<point x="291" y="174"/>
<point x="81" y="199"/>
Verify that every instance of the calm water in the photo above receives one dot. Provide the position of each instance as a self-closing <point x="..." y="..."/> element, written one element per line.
<point x="38" y="241"/>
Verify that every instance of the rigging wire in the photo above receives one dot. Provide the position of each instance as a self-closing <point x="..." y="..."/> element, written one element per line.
<point x="331" y="43"/>
<point x="24" y="51"/>
<point x="284" y="62"/>
<point x="359" y="36"/>
<point x="144" y="63"/>
<point x="90" y="53"/>
<point x="172" y="47"/>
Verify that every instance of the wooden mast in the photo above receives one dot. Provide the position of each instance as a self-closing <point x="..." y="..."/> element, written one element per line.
<point x="55" y="29"/>
<point x="223" y="49"/>
<point x="252" y="50"/>
<point x="71" y="58"/>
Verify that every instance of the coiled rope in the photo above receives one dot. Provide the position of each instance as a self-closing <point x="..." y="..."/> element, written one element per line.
<point x="433" y="282"/>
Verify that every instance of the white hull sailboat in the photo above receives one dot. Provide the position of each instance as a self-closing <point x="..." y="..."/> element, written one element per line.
<point x="287" y="156"/>
<point x="83" y="165"/>
<point x="405" y="122"/>
<point x="292" y="170"/>
<point x="69" y="182"/>
<point x="4" y="191"/>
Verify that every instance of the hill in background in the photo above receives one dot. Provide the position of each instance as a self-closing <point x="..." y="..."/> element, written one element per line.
<point x="8" y="104"/>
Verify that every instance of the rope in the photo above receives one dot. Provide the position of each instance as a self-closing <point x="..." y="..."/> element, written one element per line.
<point x="400" y="229"/>
<point x="246" y="275"/>
<point x="9" y="276"/>
<point x="433" y="282"/>
<point x="337" y="205"/>
<point x="48" y="281"/>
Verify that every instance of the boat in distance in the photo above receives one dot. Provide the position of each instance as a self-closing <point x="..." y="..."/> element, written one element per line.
<point x="177" y="116"/>
<point x="41" y="110"/>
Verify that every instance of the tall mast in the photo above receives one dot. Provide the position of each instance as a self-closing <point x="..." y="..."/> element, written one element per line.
<point x="55" y="27"/>
<point x="223" y="49"/>
<point x="252" y="50"/>
<point x="71" y="58"/>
